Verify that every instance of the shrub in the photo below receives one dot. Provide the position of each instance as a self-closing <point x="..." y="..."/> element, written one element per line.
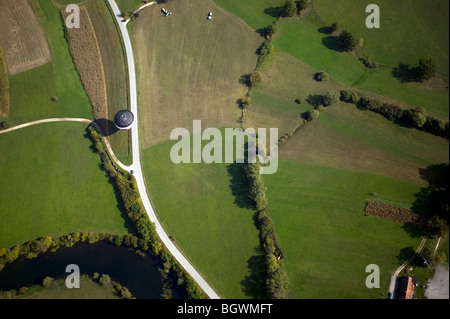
<point x="313" y="115"/>
<point x="425" y="70"/>
<point x="349" y="96"/>
<point x="271" y="29"/>
<point x="245" y="102"/>
<point x="6" y="124"/>
<point x="347" y="41"/>
<point x="255" y="79"/>
<point x="330" y="98"/>
<point x="289" y="9"/>
<point x="334" y="27"/>
<point x="321" y="76"/>
<point x="266" y="48"/>
<point x="302" y="5"/>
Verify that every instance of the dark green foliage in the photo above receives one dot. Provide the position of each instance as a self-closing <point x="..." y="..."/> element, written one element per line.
<point x="330" y="98"/>
<point x="289" y="9"/>
<point x="266" y="48"/>
<point x="347" y="41"/>
<point x="255" y="79"/>
<point x="335" y="27"/>
<point x="302" y="5"/>
<point x="349" y="96"/>
<point x="6" y="124"/>
<point x="321" y="76"/>
<point x="425" y="70"/>
<point x="271" y="29"/>
<point x="313" y="115"/>
<point x="416" y="117"/>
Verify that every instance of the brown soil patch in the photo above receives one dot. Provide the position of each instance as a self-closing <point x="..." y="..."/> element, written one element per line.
<point x="88" y="62"/>
<point x="23" y="40"/>
<point x="393" y="212"/>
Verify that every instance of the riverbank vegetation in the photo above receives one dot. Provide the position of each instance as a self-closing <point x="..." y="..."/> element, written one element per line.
<point x="93" y="286"/>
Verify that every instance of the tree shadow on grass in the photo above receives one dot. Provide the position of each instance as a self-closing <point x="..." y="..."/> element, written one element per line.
<point x="274" y="12"/>
<point x="404" y="73"/>
<point x="332" y="42"/>
<point x="239" y="185"/>
<point x="253" y="285"/>
<point x="107" y="126"/>
<point x="314" y="100"/>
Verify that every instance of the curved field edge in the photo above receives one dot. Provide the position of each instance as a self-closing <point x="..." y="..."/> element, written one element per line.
<point x="53" y="184"/>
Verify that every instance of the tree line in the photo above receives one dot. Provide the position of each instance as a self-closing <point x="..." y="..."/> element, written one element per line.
<point x="277" y="280"/>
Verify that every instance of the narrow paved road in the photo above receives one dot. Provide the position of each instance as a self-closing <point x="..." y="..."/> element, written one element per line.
<point x="136" y="166"/>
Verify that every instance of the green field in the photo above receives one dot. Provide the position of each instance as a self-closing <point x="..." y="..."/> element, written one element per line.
<point x="89" y="289"/>
<point x="189" y="68"/>
<point x="319" y="219"/>
<point x="31" y="92"/>
<point x="52" y="184"/>
<point x="207" y="219"/>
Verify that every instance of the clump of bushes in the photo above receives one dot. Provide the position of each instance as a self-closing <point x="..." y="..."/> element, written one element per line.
<point x="312" y="115"/>
<point x="254" y="79"/>
<point x="6" y="124"/>
<point x="349" y="96"/>
<point x="414" y="117"/>
<point x="330" y="98"/>
<point x="321" y="76"/>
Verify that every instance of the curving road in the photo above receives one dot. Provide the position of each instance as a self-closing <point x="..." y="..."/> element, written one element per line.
<point x="137" y="168"/>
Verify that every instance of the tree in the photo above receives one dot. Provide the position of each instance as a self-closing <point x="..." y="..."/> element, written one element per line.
<point x="419" y="117"/>
<point x="245" y="102"/>
<point x="302" y="5"/>
<point x="330" y="98"/>
<point x="271" y="29"/>
<point x="334" y="27"/>
<point x="425" y="70"/>
<point x="347" y="41"/>
<point x="313" y="115"/>
<point x="255" y="79"/>
<point x="289" y="9"/>
<point x="47" y="282"/>
<point x="105" y="279"/>
<point x="321" y="76"/>
<point x="266" y="48"/>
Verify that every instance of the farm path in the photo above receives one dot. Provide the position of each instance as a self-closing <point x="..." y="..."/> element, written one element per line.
<point x="137" y="168"/>
<point x="71" y="119"/>
<point x="397" y="272"/>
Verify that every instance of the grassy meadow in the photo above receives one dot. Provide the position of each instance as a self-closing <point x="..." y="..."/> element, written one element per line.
<point x="189" y="68"/>
<point x="54" y="89"/>
<point x="319" y="219"/>
<point x="202" y="208"/>
<point x="52" y="184"/>
<point x="328" y="169"/>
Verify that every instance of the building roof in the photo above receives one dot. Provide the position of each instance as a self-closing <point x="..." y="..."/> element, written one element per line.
<point x="123" y="119"/>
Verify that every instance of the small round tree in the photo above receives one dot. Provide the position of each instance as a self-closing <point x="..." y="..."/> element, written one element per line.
<point x="321" y="76"/>
<point x="289" y="9"/>
<point x="255" y="79"/>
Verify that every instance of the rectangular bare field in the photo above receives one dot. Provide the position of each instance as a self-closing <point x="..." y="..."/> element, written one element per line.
<point x="23" y="40"/>
<point x="88" y="62"/>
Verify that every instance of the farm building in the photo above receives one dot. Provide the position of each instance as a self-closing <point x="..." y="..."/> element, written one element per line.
<point x="124" y="120"/>
<point x="405" y="287"/>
